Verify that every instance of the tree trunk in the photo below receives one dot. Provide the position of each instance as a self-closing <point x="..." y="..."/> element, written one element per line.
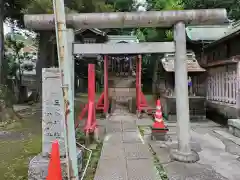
<point x="43" y="52"/>
<point x="5" y="113"/>
<point x="2" y="63"/>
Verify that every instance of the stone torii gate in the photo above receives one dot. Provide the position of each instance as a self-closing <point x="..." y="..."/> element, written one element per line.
<point x="178" y="19"/>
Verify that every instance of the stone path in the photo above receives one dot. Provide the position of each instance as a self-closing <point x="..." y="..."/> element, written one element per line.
<point x="21" y="107"/>
<point x="218" y="150"/>
<point x="124" y="155"/>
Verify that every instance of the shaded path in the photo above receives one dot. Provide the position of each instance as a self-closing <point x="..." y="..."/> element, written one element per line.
<point x="124" y="155"/>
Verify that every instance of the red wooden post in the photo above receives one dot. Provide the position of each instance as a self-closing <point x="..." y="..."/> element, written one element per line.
<point x="137" y="84"/>
<point x="91" y="99"/>
<point x="100" y="102"/>
<point x="93" y="93"/>
<point x="139" y="79"/>
<point x="82" y="114"/>
<point x="88" y="123"/>
<point x="106" y="103"/>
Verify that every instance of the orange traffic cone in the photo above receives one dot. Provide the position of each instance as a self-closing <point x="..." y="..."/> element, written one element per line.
<point x="159" y="124"/>
<point x="54" y="168"/>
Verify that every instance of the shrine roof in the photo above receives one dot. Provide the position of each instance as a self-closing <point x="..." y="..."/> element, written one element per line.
<point x="232" y="30"/>
<point x="122" y="39"/>
<point x="192" y="63"/>
<point x="213" y="33"/>
<point x="95" y="30"/>
<point x="206" y="33"/>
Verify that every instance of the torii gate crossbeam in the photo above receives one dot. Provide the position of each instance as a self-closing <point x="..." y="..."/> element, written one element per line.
<point x="130" y="48"/>
<point x="129" y="19"/>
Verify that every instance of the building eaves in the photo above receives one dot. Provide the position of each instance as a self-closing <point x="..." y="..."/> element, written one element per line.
<point x="233" y="30"/>
<point x="95" y="30"/>
<point x="122" y="38"/>
<point x="232" y="60"/>
<point x="206" y="33"/>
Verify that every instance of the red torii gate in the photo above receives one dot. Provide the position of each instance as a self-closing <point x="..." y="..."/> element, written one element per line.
<point x="103" y="101"/>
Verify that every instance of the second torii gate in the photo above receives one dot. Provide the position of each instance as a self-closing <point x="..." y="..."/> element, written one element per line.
<point x="113" y="49"/>
<point x="142" y="19"/>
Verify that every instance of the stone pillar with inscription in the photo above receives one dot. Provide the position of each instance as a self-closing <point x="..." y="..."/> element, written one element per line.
<point x="52" y="126"/>
<point x="52" y="111"/>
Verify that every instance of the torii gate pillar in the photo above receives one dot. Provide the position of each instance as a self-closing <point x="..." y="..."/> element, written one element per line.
<point x="184" y="152"/>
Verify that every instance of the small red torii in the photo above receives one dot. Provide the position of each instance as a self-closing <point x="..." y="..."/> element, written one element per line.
<point x="103" y="101"/>
<point x="91" y="107"/>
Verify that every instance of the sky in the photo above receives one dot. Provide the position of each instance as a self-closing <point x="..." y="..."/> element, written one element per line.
<point x="24" y="32"/>
<point x="143" y="2"/>
<point x="7" y="29"/>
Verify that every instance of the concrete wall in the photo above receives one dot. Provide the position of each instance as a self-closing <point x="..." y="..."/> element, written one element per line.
<point x="220" y="112"/>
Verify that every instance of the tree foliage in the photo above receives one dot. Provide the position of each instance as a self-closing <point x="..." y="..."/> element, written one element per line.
<point x="14" y="10"/>
<point x="232" y="6"/>
<point x="14" y="57"/>
<point x="156" y="34"/>
<point x="83" y="6"/>
<point x="160" y="34"/>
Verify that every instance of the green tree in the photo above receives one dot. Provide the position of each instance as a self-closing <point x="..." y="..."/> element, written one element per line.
<point x="122" y="5"/>
<point x="45" y="37"/>
<point x="150" y="63"/>
<point x="16" y="46"/>
<point x="232" y="6"/>
<point x="10" y="11"/>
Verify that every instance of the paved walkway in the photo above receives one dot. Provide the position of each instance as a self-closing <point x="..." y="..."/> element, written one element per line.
<point x="21" y="107"/>
<point x="219" y="153"/>
<point x="125" y="156"/>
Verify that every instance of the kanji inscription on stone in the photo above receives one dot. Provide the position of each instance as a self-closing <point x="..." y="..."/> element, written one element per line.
<point x="52" y="110"/>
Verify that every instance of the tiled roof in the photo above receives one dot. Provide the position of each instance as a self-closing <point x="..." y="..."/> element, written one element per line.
<point x="122" y="38"/>
<point x="214" y="33"/>
<point x="232" y="30"/>
<point x="95" y="30"/>
<point x="234" y="27"/>
<point x="206" y="33"/>
<point x="168" y="63"/>
<point x="111" y="38"/>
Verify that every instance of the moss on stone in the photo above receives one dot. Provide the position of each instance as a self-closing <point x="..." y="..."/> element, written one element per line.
<point x="96" y="153"/>
<point x="159" y="167"/>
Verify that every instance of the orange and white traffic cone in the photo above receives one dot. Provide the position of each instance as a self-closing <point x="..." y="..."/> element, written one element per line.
<point x="54" y="168"/>
<point x="159" y="124"/>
